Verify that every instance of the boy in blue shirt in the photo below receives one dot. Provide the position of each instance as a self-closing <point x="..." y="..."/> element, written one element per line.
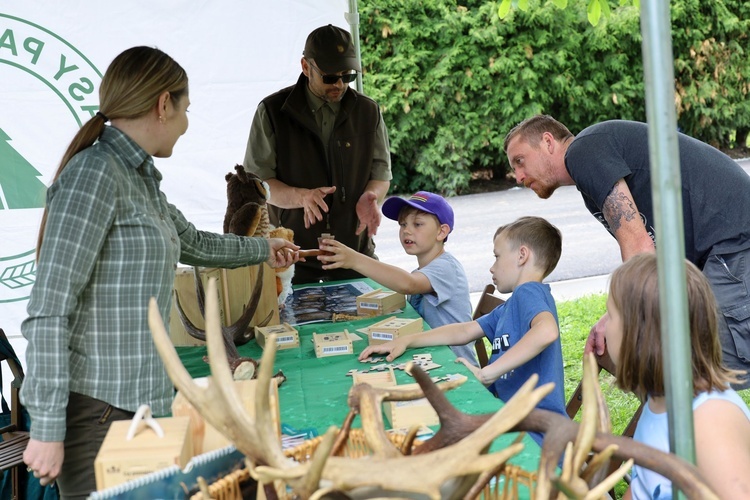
<point x="438" y="288"/>
<point x="523" y="331"/>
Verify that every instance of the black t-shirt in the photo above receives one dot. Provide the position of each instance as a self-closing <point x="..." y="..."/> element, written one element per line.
<point x="715" y="190"/>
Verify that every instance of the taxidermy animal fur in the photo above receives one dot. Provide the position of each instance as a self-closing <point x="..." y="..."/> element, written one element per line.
<point x="247" y="215"/>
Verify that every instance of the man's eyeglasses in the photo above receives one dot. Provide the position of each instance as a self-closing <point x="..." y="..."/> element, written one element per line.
<point x="331" y="79"/>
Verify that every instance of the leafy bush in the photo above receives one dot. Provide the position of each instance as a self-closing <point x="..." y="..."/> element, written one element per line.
<point x="453" y="79"/>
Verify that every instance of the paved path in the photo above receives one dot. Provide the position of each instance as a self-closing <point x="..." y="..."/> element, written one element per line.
<point x="589" y="254"/>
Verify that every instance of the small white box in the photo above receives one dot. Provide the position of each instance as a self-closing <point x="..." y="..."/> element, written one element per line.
<point x="391" y="328"/>
<point x="379" y="302"/>
<point x="332" y="344"/>
<point x="286" y="336"/>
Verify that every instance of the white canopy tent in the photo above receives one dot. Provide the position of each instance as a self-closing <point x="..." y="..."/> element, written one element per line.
<point x="52" y="56"/>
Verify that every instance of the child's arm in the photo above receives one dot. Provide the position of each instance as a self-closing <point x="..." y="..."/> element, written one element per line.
<point x="542" y="333"/>
<point x="452" y="334"/>
<point x="722" y="447"/>
<point x="387" y="275"/>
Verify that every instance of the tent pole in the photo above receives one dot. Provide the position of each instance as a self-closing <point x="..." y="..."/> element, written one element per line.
<point x="666" y="186"/>
<point x="352" y="17"/>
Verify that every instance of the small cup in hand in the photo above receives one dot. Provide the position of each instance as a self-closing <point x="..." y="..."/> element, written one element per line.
<point x="325" y="236"/>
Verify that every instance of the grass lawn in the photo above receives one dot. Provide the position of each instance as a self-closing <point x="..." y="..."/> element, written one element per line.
<point x="576" y="318"/>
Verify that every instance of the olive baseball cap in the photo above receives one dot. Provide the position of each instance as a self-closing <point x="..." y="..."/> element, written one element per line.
<point x="332" y="49"/>
<point x="423" y="200"/>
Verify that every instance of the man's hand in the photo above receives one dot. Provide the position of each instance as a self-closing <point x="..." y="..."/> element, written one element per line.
<point x="314" y="205"/>
<point x="44" y="459"/>
<point x="596" y="342"/>
<point x="283" y="253"/>
<point x="368" y="213"/>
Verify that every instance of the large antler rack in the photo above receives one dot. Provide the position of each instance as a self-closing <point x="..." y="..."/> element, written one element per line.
<point x="235" y="334"/>
<point x="219" y="405"/>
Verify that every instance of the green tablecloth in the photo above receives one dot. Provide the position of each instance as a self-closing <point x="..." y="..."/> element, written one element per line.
<point x="315" y="392"/>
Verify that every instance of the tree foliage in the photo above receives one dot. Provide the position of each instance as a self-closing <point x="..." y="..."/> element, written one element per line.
<point x="452" y="78"/>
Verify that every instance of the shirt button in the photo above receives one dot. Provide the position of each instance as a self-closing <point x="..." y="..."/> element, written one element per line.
<point x="174" y="240"/>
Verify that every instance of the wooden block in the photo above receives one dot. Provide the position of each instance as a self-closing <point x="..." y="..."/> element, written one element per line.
<point x="235" y="287"/>
<point x="391" y="328"/>
<point x="379" y="302"/>
<point x="404" y="414"/>
<point x="286" y="336"/>
<point x="332" y="344"/>
<point x="119" y="460"/>
<point x="205" y="437"/>
<point x="386" y="378"/>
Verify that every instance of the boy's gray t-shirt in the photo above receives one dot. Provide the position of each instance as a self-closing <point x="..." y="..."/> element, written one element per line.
<point x="450" y="302"/>
<point x="715" y="201"/>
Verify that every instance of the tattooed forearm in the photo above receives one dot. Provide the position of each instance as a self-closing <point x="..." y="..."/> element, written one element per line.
<point x="618" y="207"/>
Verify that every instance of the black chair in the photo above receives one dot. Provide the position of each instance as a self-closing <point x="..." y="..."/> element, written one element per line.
<point x="14" y="438"/>
<point x="487" y="302"/>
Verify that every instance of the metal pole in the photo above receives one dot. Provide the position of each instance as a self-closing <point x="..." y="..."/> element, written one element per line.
<point x="666" y="187"/>
<point x="352" y="17"/>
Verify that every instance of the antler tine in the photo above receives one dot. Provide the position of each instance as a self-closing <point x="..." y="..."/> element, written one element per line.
<point x="218" y="403"/>
<point x="239" y="330"/>
<point x="590" y="417"/>
<point x="367" y="401"/>
<point x="174" y="367"/>
<point x="258" y="435"/>
<point x="190" y="327"/>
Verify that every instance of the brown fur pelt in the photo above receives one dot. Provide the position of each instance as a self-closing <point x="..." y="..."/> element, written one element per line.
<point x="247" y="214"/>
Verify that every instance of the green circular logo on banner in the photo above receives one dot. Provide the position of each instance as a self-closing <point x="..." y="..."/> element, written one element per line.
<point x="66" y="76"/>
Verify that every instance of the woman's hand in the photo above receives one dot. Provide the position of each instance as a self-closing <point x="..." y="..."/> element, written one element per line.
<point x="283" y="253"/>
<point x="44" y="459"/>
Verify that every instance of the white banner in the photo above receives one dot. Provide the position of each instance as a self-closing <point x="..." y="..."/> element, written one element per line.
<point x="52" y="56"/>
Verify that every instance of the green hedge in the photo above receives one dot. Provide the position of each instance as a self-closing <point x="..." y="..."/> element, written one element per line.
<point x="452" y="79"/>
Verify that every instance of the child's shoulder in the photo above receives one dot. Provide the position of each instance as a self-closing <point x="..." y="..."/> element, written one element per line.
<point x="532" y="287"/>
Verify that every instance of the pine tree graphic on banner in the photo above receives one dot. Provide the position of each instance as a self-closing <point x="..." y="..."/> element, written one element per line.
<point x="20" y="184"/>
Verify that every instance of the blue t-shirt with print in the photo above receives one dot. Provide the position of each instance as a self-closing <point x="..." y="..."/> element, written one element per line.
<point x="506" y="325"/>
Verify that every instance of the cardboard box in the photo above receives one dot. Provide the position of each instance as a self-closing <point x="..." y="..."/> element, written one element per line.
<point x="119" y="460"/>
<point x="235" y="289"/>
<point x="286" y="336"/>
<point x="379" y="302"/>
<point x="332" y="344"/>
<point x="392" y="328"/>
<point x="205" y="437"/>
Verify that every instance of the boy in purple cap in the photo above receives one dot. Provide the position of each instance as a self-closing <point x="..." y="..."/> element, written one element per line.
<point x="438" y="288"/>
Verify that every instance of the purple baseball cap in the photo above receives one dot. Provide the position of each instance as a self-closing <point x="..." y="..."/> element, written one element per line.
<point x="423" y="200"/>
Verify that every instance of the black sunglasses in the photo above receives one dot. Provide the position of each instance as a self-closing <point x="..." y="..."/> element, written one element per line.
<point x="331" y="79"/>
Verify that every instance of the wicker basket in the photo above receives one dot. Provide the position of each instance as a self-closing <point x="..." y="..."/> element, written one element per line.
<point x="503" y="485"/>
